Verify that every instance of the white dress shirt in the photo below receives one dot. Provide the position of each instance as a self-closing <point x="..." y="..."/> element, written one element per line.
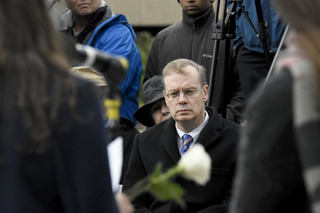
<point x="194" y="133"/>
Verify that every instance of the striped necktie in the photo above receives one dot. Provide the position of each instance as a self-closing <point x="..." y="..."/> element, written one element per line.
<point x="187" y="141"/>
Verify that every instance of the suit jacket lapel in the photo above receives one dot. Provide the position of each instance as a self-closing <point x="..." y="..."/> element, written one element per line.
<point x="210" y="133"/>
<point x="169" y="140"/>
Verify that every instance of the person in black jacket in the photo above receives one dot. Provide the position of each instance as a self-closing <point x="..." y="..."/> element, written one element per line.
<point x="186" y="92"/>
<point x="191" y="39"/>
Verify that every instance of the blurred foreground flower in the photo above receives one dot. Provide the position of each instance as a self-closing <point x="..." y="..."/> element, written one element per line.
<point x="194" y="165"/>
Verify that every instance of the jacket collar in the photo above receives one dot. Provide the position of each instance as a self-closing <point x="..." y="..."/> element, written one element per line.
<point x="197" y="22"/>
<point x="95" y="19"/>
<point x="213" y="128"/>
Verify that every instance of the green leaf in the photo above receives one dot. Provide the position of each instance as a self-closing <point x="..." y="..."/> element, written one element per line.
<point x="167" y="190"/>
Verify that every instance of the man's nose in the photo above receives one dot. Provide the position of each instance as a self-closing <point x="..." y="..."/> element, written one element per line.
<point x="182" y="98"/>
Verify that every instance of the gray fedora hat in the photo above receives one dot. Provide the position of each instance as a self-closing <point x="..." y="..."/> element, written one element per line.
<point x="151" y="92"/>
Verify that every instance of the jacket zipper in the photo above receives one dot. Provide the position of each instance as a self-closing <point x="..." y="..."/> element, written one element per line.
<point x="193" y="40"/>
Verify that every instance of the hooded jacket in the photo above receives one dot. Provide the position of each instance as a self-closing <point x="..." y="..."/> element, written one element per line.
<point x="191" y="39"/>
<point x="113" y="34"/>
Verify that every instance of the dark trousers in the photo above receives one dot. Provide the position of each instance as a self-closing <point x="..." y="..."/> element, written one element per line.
<point x="252" y="69"/>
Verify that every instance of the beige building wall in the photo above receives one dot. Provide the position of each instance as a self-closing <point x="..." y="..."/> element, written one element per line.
<point x="148" y="12"/>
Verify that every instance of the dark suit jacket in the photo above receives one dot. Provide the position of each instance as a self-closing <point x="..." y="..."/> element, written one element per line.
<point x="159" y="144"/>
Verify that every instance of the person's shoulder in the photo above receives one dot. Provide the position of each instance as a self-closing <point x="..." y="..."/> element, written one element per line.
<point x="152" y="137"/>
<point x="222" y="125"/>
<point x="272" y="101"/>
<point x="218" y="120"/>
<point x="118" y="25"/>
<point x="277" y="88"/>
<point x="158" y="129"/>
<point x="118" y="18"/>
<point x="168" y="31"/>
<point x="114" y="21"/>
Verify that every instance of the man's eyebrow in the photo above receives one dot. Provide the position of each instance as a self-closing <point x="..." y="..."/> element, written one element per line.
<point x="183" y="89"/>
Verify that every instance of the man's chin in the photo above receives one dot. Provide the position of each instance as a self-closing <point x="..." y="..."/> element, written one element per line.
<point x="193" y="13"/>
<point x="85" y="12"/>
<point x="184" y="117"/>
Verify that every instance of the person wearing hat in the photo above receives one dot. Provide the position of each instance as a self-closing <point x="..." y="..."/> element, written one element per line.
<point x="190" y="38"/>
<point x="154" y="109"/>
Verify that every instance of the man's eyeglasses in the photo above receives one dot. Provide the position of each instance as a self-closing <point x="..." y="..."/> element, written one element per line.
<point x="173" y="95"/>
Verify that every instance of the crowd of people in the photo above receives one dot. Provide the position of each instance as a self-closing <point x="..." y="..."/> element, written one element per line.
<point x="262" y="135"/>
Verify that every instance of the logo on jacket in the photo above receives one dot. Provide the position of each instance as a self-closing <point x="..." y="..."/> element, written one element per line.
<point x="204" y="55"/>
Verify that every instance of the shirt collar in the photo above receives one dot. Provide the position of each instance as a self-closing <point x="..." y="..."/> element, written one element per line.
<point x="196" y="132"/>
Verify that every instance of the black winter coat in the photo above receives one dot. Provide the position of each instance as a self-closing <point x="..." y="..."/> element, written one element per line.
<point x="159" y="144"/>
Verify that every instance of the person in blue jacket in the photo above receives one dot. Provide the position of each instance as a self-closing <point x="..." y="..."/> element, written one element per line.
<point x="95" y="24"/>
<point x="250" y="59"/>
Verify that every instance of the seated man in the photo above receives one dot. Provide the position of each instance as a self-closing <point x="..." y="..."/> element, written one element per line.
<point x="186" y="92"/>
<point x="155" y="109"/>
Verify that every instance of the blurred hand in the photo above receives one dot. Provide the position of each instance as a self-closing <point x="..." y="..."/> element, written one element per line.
<point x="124" y="203"/>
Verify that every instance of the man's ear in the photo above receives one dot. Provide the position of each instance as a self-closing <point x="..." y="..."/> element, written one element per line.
<point x="206" y="93"/>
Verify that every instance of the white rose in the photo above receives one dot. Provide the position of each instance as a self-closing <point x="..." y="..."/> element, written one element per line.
<point x="196" y="165"/>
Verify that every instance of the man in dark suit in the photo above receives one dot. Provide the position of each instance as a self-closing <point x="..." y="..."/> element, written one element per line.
<point x="185" y="92"/>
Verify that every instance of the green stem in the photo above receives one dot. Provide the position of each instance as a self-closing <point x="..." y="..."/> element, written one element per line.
<point x="144" y="184"/>
<point x="140" y="187"/>
<point x="168" y="175"/>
